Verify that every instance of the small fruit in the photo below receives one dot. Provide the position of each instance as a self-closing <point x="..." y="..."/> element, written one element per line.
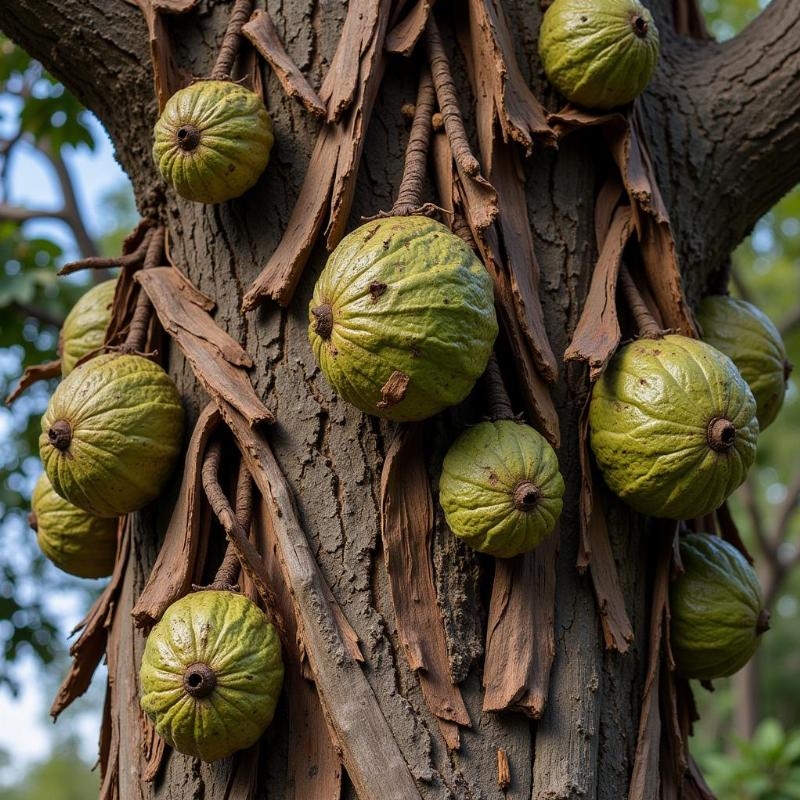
<point x="673" y="427"/>
<point x="599" y="53"/>
<point x="211" y="674"/>
<point x="74" y="540"/>
<point x="500" y="488"/>
<point x="112" y="434"/>
<point x="717" y="612"/>
<point x="84" y="329"/>
<point x="212" y="141"/>
<point x="747" y="336"/>
<point x="402" y="319"/>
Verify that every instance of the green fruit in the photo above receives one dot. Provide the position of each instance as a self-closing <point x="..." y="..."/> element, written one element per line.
<point x="84" y="329"/>
<point x="717" y="612"/>
<point x="112" y="434"/>
<point x="500" y="488"/>
<point x="747" y="336"/>
<point x="211" y="674"/>
<point x="402" y="319"/>
<point x="212" y="141"/>
<point x="598" y="53"/>
<point x="74" y="540"/>
<point x="673" y="427"/>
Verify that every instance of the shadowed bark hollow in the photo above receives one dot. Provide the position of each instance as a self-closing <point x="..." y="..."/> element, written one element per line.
<point x="723" y="123"/>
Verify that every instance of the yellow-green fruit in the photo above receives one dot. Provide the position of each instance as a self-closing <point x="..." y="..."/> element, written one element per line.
<point x="111" y="434"/>
<point x="598" y="53"/>
<point x="673" y="427"/>
<point x="84" y="329"/>
<point x="748" y="337"/>
<point x="716" y="608"/>
<point x="74" y="540"/>
<point x="500" y="488"/>
<point x="212" y="141"/>
<point x="211" y="674"/>
<point x="402" y="319"/>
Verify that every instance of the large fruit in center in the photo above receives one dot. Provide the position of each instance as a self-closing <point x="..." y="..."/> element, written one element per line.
<point x="211" y="674"/>
<point x="598" y="53"/>
<point x="717" y="612"/>
<point x="212" y="141"/>
<point x="747" y="336"/>
<point x="73" y="539"/>
<point x="500" y="488"/>
<point x="402" y="319"/>
<point x="673" y="427"/>
<point x="112" y="434"/>
<point x="84" y="329"/>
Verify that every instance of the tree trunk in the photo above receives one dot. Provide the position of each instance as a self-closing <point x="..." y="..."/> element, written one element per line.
<point x="723" y="124"/>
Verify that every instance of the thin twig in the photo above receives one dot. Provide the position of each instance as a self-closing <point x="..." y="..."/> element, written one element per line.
<point x="499" y="401"/>
<point x="751" y="507"/>
<point x="645" y="323"/>
<point x="786" y="513"/>
<point x="129" y="260"/>
<point x="230" y="43"/>
<point x="143" y="311"/>
<point x="228" y="571"/>
<point x="412" y="186"/>
<point x="41" y="314"/>
<point x="448" y="101"/>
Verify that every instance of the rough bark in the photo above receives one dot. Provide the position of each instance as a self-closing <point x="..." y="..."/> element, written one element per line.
<point x="723" y="122"/>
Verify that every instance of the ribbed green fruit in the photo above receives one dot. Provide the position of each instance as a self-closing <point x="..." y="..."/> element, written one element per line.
<point x="717" y="611"/>
<point x="747" y="336"/>
<point x="211" y="674"/>
<point x="599" y="53"/>
<point x="84" y="329"/>
<point x="111" y="434"/>
<point x="500" y="488"/>
<point x="74" y="540"/>
<point x="402" y="319"/>
<point x="673" y="427"/>
<point x="212" y="141"/>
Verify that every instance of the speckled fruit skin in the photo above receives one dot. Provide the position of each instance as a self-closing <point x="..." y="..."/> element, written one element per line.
<point x="406" y="296"/>
<point x="126" y="422"/>
<point x="74" y="540"/>
<point x="84" y="329"/>
<point x="234" y="141"/>
<point x="747" y="336"/>
<point x="230" y="635"/>
<point x="717" y="610"/>
<point x="598" y="53"/>
<point x="480" y="473"/>
<point x="649" y="418"/>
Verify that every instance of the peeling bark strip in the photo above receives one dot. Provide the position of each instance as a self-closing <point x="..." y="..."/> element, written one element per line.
<point x="394" y="390"/>
<point x="520" y="636"/>
<point x="403" y="37"/>
<point x="34" y="374"/>
<point x="406" y="527"/>
<point x="314" y="767"/>
<point x="218" y="360"/>
<point x="503" y="770"/>
<point x="260" y="32"/>
<point x="90" y="646"/>
<point x="179" y="563"/>
<point x="356" y="73"/>
<point x="369" y="750"/>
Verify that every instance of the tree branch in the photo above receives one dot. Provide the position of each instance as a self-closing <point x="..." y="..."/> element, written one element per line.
<point x="11" y="213"/>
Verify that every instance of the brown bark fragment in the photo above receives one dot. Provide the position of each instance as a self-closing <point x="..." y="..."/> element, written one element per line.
<point x="394" y="390"/>
<point x="177" y="567"/>
<point x="403" y="37"/>
<point x="218" y="360"/>
<point x="261" y="33"/>
<point x="503" y="770"/>
<point x="406" y="527"/>
<point x="34" y="374"/>
<point x="520" y="638"/>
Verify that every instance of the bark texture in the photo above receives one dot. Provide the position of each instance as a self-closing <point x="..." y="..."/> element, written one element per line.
<point x="723" y="123"/>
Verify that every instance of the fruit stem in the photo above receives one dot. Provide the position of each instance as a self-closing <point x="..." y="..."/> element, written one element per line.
<point x="499" y="401"/>
<point x="787" y="369"/>
<point x="645" y="322"/>
<point x="140" y="321"/>
<point x="199" y="680"/>
<point x="762" y="623"/>
<point x="721" y="434"/>
<point x="230" y="43"/>
<point x="412" y="186"/>
<point x="323" y="320"/>
<point x="448" y="100"/>
<point x="229" y="569"/>
<point x="33" y="521"/>
<point x="60" y="435"/>
<point x="526" y="496"/>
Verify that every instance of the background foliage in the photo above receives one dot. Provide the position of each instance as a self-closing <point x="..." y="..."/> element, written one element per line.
<point x="40" y="120"/>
